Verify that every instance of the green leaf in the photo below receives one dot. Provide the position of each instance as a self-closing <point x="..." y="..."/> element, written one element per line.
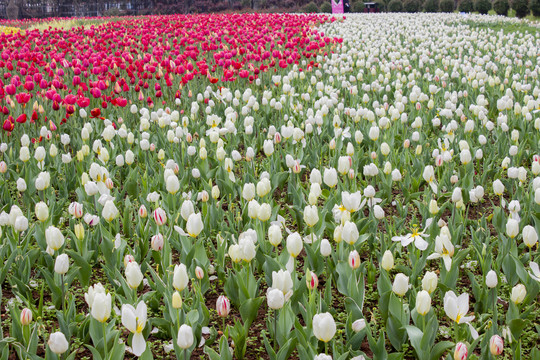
<point x="415" y="336"/>
<point x="516" y="327"/>
<point x="439" y="349"/>
<point x="249" y="310"/>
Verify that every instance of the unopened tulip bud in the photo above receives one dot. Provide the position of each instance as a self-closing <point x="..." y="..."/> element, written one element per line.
<point x="491" y="279"/>
<point x="518" y="294"/>
<point x="359" y="325"/>
<point x="496" y="345"/>
<point x="354" y="259"/>
<point x="387" y="262"/>
<point x="223" y="306"/>
<point x="176" y="300"/>
<point x="461" y="352"/>
<point x="26" y="316"/>
<point x="199" y="273"/>
<point x="157" y="242"/>
<point x="312" y="281"/>
<point x="127" y="259"/>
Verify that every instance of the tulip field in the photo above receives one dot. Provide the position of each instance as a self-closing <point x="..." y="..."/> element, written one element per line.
<point x="270" y="186"/>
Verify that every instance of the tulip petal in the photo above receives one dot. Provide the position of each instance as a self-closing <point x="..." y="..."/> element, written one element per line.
<point x="129" y="319"/>
<point x="138" y="344"/>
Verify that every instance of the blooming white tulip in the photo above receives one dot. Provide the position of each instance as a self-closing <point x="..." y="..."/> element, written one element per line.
<point x="101" y="306"/>
<point x="134" y="319"/>
<point x="194" y="225"/>
<point x="326" y="248"/>
<point x="274" y="235"/>
<point x="351" y="202"/>
<point x="330" y="177"/>
<point x="54" y="238"/>
<point x="61" y="265"/>
<point x="57" y="343"/>
<point x="294" y="244"/>
<point x="456" y="308"/>
<point x="180" y="277"/>
<point x="400" y="285"/>
<point x="512" y="228"/>
<point x="42" y="211"/>
<point x="134" y="275"/>
<point x="530" y="236"/>
<point x="350" y="233"/>
<point x="423" y="302"/>
<point x="282" y="281"/>
<point x="518" y="294"/>
<point x="109" y="212"/>
<point x="275" y="299"/>
<point x="311" y="215"/>
<point x="324" y="327"/>
<point x="185" y="337"/>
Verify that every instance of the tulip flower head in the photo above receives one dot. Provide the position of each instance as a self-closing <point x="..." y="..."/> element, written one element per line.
<point x="456" y="308"/>
<point x="134" y="319"/>
<point x="324" y="327"/>
<point x="57" y="343"/>
<point x="496" y="345"/>
<point x="461" y="352"/>
<point x="185" y="337"/>
<point x="223" y="306"/>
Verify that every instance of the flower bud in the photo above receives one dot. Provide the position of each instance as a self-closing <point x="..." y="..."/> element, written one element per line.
<point x="460" y="353"/>
<point x="491" y="279"/>
<point x="518" y="294"/>
<point x="176" y="300"/>
<point x="359" y="325"/>
<point x="387" y="262"/>
<point x="400" y="285"/>
<point x="26" y="316"/>
<point x="423" y="302"/>
<point x="496" y="345"/>
<point x="223" y="306"/>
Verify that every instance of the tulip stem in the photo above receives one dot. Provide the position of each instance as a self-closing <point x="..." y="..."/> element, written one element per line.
<point x="185" y="354"/>
<point x="326" y="348"/>
<point x="275" y="330"/>
<point x="223" y="325"/>
<point x="424" y="324"/>
<point x="62" y="281"/>
<point x="104" y="338"/>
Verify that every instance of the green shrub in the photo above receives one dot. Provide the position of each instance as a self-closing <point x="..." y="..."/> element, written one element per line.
<point x="382" y="5"/>
<point x="412" y="6"/>
<point x="535" y="7"/>
<point x="521" y="7"/>
<point x="446" y="6"/>
<point x="465" y="6"/>
<point x="482" y="6"/>
<point x="431" y="6"/>
<point x="501" y="7"/>
<point x="311" y="8"/>
<point x="326" y="7"/>
<point x="395" y="6"/>
<point x="357" y="6"/>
